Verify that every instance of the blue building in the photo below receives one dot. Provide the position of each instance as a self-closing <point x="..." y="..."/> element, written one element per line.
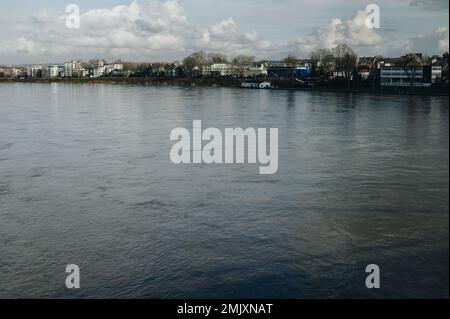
<point x="285" y="72"/>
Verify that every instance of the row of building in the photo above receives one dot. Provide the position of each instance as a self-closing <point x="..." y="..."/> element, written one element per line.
<point x="392" y="72"/>
<point x="261" y="69"/>
<point x="77" y="69"/>
<point x="385" y="72"/>
<point x="422" y="76"/>
<point x="71" y="69"/>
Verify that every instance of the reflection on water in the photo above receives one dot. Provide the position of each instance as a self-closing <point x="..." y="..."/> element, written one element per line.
<point x="86" y="178"/>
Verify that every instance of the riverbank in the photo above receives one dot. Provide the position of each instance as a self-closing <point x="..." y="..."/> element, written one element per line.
<point x="217" y="82"/>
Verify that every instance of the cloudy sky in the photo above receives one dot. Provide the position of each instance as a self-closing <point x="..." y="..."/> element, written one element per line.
<point x="35" y="31"/>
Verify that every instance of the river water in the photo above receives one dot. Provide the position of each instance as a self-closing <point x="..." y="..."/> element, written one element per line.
<point x="86" y="179"/>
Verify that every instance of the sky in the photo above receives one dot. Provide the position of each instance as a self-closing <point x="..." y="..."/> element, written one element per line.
<point x="167" y="30"/>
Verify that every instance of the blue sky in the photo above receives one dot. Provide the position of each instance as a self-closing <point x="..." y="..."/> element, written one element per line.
<point x="34" y="31"/>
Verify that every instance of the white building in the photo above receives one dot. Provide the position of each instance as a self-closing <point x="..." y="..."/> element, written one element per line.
<point x="99" y="63"/>
<point x="364" y="75"/>
<point x="106" y="70"/>
<point x="258" y="70"/>
<point x="50" y="71"/>
<point x="98" y="72"/>
<point x="34" y="71"/>
<point x="221" y="69"/>
<point x="74" y="68"/>
<point x="436" y="73"/>
<point x="401" y="76"/>
<point x="118" y="66"/>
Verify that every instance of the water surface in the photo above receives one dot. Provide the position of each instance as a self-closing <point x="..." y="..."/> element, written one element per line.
<point x="86" y="178"/>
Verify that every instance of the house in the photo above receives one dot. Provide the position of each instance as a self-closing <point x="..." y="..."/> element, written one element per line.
<point x="173" y="70"/>
<point x="158" y="70"/>
<point x="170" y="72"/>
<point x="196" y="71"/>
<point x="363" y="74"/>
<point x="364" y="71"/>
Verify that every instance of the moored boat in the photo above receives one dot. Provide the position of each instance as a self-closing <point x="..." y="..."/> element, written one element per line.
<point x="256" y="85"/>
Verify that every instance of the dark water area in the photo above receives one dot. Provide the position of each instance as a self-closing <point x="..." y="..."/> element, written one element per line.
<point x="86" y="178"/>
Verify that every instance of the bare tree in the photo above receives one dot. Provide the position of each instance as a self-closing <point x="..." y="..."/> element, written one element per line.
<point x="374" y="64"/>
<point x="322" y="61"/>
<point x="410" y="63"/>
<point x="198" y="59"/>
<point x="291" y="62"/>
<point x="214" y="58"/>
<point x="242" y="62"/>
<point x="129" y="66"/>
<point x="346" y="61"/>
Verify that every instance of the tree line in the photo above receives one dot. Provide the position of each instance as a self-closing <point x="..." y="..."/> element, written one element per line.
<point x="341" y="61"/>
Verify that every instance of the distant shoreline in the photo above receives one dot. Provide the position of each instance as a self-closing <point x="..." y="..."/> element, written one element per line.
<point x="217" y="82"/>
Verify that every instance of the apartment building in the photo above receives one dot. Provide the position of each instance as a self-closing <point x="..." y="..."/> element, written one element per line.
<point x="50" y="71"/>
<point x="34" y="71"/>
<point x="74" y="68"/>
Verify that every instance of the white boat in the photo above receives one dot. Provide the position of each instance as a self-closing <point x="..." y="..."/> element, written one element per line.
<point x="256" y="85"/>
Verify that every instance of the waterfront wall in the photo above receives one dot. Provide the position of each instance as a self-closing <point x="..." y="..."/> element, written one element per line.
<point x="283" y="84"/>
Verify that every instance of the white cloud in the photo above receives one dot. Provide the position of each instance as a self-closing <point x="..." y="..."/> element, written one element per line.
<point x="430" y="43"/>
<point x="430" y="4"/>
<point x="224" y="29"/>
<point x="353" y="32"/>
<point x="17" y="46"/>
<point x="160" y="30"/>
<point x="140" y="30"/>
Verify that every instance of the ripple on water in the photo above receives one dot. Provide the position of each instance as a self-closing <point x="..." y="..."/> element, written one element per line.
<point x="4" y="146"/>
<point x="154" y="203"/>
<point x="4" y="188"/>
